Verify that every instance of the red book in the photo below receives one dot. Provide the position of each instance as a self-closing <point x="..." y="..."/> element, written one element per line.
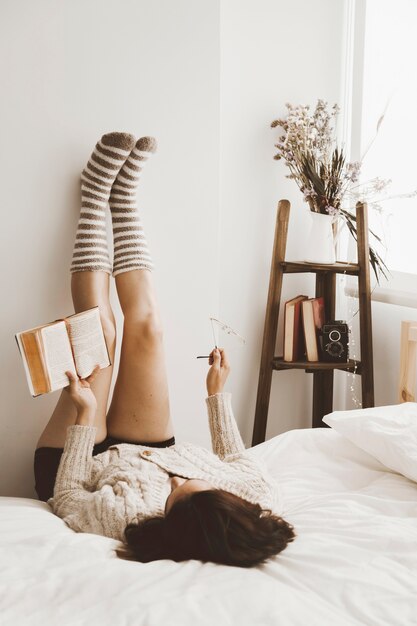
<point x="293" y="331"/>
<point x="313" y="320"/>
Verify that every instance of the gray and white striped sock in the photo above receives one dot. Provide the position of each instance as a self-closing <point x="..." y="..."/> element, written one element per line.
<point x="90" y="247"/>
<point x="130" y="245"/>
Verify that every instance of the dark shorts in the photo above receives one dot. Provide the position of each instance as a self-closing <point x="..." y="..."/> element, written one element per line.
<point x="47" y="460"/>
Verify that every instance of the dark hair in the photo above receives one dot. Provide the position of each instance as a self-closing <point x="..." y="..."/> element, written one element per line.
<point x="212" y="525"/>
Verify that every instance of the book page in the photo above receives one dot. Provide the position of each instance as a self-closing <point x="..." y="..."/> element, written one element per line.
<point x="58" y="354"/>
<point x="87" y="340"/>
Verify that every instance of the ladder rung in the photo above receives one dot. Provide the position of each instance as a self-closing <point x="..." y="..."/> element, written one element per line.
<point x="278" y="363"/>
<point x="289" y="267"/>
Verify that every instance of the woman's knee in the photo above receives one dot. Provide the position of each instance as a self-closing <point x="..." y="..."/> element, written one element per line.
<point x="145" y="330"/>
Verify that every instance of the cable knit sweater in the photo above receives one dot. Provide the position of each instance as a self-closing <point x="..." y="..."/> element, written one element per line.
<point x="129" y="483"/>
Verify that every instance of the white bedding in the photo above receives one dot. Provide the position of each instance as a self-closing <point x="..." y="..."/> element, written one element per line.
<point x="354" y="560"/>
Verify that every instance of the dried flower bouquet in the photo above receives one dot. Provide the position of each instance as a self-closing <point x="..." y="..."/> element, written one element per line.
<point x="307" y="145"/>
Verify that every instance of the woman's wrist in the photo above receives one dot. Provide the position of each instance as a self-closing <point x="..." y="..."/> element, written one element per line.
<point x="212" y="392"/>
<point x="85" y="417"/>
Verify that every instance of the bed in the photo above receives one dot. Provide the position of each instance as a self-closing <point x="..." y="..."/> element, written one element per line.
<point x="354" y="561"/>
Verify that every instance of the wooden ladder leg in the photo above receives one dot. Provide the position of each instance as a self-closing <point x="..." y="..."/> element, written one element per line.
<point x="323" y="381"/>
<point x="365" y="312"/>
<point x="271" y="322"/>
<point x="322" y="397"/>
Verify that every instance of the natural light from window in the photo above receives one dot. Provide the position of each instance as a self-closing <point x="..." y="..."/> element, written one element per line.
<point x="390" y="85"/>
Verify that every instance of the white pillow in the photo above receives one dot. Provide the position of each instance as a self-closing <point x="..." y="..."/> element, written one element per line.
<point x="388" y="433"/>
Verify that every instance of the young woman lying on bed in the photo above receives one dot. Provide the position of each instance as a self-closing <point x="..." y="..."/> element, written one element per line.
<point x="122" y="475"/>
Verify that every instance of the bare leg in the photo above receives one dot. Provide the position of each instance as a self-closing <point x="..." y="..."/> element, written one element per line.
<point x="88" y="289"/>
<point x="140" y="407"/>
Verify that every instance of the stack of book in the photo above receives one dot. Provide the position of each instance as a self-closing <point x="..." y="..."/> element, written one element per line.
<point x="303" y="320"/>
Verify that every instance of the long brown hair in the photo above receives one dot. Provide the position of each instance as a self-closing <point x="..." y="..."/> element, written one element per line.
<point x="212" y="525"/>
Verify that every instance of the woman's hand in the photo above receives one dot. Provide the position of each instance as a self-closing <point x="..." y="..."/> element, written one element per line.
<point x="218" y="372"/>
<point x="81" y="393"/>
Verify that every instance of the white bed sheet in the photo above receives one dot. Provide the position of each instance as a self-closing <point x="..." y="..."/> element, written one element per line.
<point x="354" y="561"/>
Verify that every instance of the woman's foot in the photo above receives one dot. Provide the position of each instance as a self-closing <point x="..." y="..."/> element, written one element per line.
<point x="130" y="246"/>
<point x="90" y="248"/>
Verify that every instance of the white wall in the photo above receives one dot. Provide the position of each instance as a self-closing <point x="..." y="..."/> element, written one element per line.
<point x="272" y="52"/>
<point x="70" y="72"/>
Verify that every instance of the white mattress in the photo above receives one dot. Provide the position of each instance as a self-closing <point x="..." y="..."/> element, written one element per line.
<point x="354" y="560"/>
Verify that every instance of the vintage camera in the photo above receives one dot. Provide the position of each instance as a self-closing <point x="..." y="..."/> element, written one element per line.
<point x="334" y="341"/>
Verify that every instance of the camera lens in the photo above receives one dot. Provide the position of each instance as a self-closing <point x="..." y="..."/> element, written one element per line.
<point x="334" y="335"/>
<point x="335" y="349"/>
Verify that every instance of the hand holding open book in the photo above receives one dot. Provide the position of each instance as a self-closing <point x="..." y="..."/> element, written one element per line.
<point x="81" y="393"/>
<point x="75" y="344"/>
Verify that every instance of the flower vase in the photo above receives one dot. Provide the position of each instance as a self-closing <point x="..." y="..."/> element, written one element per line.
<point x="320" y="244"/>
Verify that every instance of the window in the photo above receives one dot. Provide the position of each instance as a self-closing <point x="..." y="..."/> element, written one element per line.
<point x="385" y="85"/>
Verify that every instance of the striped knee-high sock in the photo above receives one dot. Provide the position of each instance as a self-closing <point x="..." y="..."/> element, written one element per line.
<point x="130" y="246"/>
<point x="90" y="247"/>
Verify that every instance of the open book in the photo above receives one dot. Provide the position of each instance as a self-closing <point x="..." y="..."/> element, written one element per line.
<point x="75" y="343"/>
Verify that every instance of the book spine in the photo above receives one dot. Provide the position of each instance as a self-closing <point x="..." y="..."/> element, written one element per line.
<point x="288" y="334"/>
<point x="25" y="365"/>
<point x="297" y="333"/>
<point x="35" y="364"/>
<point x="285" y="350"/>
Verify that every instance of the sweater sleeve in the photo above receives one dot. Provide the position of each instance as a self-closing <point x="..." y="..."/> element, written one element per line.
<point x="225" y="436"/>
<point x="103" y="512"/>
<point x="75" y="466"/>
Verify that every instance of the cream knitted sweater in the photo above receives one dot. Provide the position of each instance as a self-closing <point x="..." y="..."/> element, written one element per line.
<point x="128" y="482"/>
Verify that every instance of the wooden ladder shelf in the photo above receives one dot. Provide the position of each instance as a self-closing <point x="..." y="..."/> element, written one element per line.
<point x="326" y="287"/>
